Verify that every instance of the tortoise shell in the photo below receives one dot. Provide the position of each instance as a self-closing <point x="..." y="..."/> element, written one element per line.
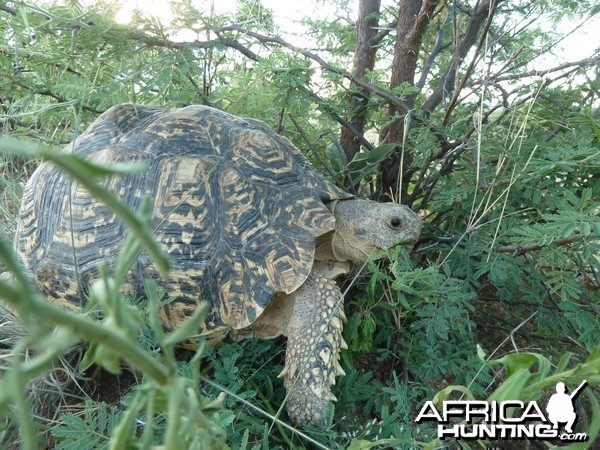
<point x="236" y="206"/>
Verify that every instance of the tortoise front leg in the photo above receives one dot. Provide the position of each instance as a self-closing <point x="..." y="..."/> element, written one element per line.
<point x="314" y="337"/>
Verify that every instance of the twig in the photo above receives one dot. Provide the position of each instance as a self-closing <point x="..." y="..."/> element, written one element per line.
<point x="165" y="43"/>
<point x="152" y="41"/>
<point x="435" y="51"/>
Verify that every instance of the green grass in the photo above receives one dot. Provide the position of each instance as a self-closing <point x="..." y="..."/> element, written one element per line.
<point x="14" y="172"/>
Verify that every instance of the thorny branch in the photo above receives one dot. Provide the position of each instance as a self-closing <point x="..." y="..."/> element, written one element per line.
<point x="434" y="52"/>
<point x="445" y="146"/>
<point x="383" y="33"/>
<point x="365" y="55"/>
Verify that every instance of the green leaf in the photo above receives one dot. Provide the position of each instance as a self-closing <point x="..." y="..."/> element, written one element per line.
<point x="445" y="393"/>
<point x="88" y="432"/>
<point x="564" y="362"/>
<point x="337" y="158"/>
<point x="366" y="163"/>
<point x="594" y="427"/>
<point x="568" y="229"/>
<point x="512" y="387"/>
<point x="190" y="327"/>
<point x="360" y="444"/>
<point x="481" y="353"/>
<point x="516" y="362"/>
<point x="593" y="358"/>
<point x="586" y="229"/>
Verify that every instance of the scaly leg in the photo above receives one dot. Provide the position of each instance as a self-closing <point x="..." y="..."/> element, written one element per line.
<point x="314" y="337"/>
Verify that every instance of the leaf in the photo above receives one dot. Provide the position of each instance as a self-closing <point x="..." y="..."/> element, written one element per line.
<point x="564" y="362"/>
<point x="586" y="229"/>
<point x="337" y="158"/>
<point x="360" y="444"/>
<point x="366" y="163"/>
<point x="481" y="353"/>
<point x="515" y="362"/>
<point x="190" y="327"/>
<point x="593" y="358"/>
<point x="444" y="394"/>
<point x="594" y="427"/>
<point x="359" y="331"/>
<point x="568" y="229"/>
<point x="512" y="387"/>
<point x="88" y="432"/>
<point x="586" y="196"/>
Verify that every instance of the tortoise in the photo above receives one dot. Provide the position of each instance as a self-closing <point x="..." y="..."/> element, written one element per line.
<point x="248" y="223"/>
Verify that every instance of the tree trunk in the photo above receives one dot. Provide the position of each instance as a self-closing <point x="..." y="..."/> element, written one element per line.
<point x="413" y="18"/>
<point x="364" y="61"/>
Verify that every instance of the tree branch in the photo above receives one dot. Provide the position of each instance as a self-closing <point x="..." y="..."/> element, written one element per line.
<point x="377" y="38"/>
<point x="433" y="54"/>
<point x="165" y="43"/>
<point x="522" y="249"/>
<point x="491" y="10"/>
<point x="152" y="41"/>
<point x="364" y="61"/>
<point x="49" y="93"/>
<point x="236" y="45"/>
<point x="343" y="122"/>
<point x="414" y="17"/>
<point x="324" y="65"/>
<point x="314" y="151"/>
<point x="594" y="60"/>
<point x="483" y="11"/>
<point x="8" y="9"/>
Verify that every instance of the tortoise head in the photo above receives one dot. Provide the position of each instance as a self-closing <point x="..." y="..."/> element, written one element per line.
<point x="365" y="226"/>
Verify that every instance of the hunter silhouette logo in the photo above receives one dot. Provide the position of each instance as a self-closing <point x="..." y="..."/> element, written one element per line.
<point x="510" y="419"/>
<point x="560" y="407"/>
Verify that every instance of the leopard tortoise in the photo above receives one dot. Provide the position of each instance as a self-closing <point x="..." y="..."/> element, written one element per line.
<point x="249" y="225"/>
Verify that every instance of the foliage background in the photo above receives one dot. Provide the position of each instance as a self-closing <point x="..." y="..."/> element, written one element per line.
<point x="440" y="105"/>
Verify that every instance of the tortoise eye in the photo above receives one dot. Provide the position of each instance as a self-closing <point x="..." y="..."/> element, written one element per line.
<point x="395" y="223"/>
